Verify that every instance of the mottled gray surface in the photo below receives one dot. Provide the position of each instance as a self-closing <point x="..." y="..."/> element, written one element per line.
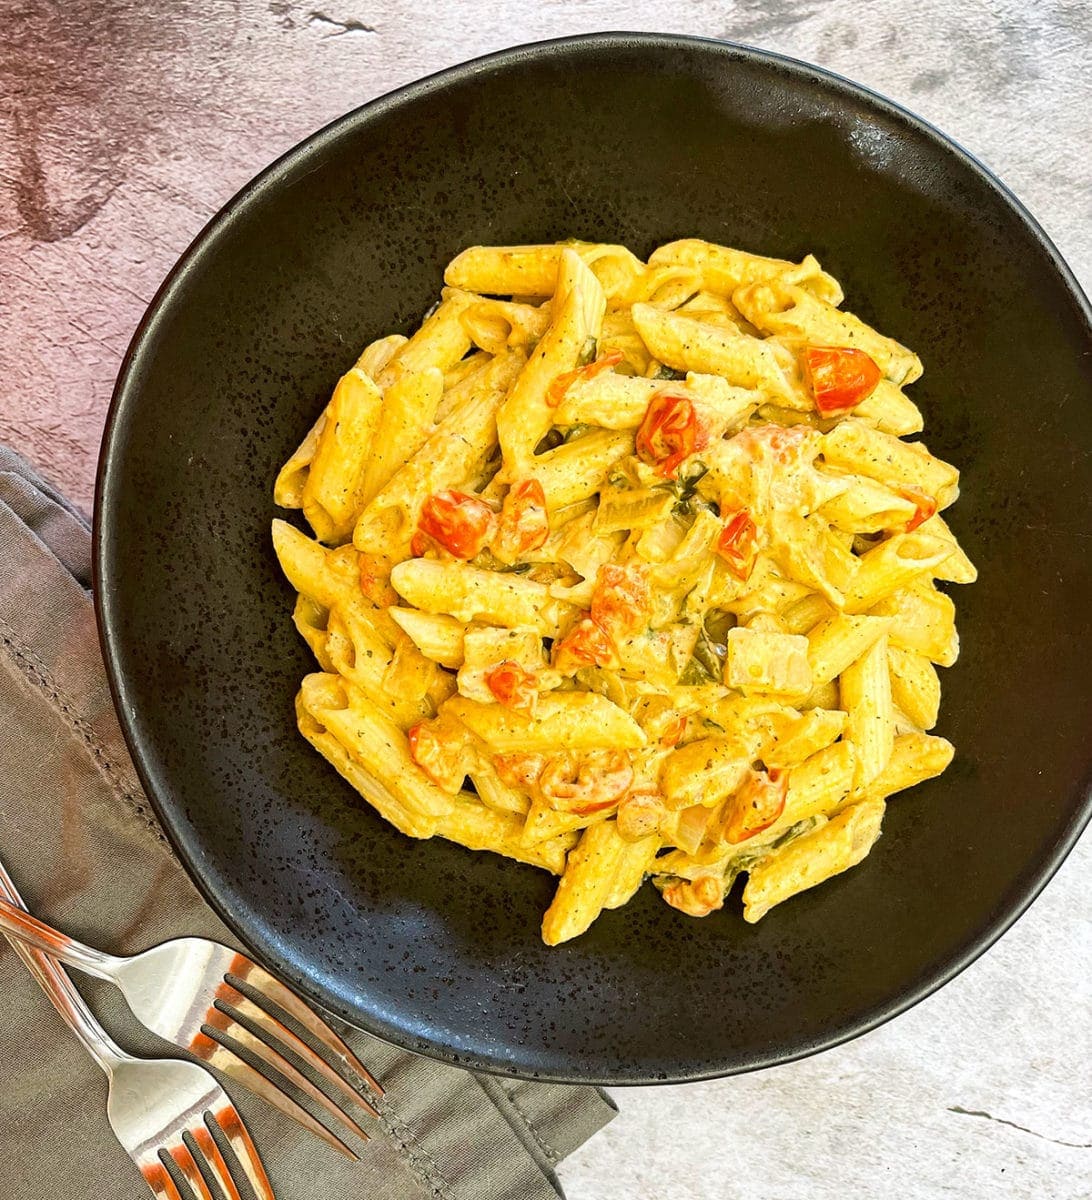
<point x="124" y="126"/>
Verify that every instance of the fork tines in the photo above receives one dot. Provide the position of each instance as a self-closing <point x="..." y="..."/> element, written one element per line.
<point x="208" y="1155"/>
<point x="237" y="1022"/>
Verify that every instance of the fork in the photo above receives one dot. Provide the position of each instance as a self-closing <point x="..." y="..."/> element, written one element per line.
<point x="186" y="991"/>
<point x="156" y="1108"/>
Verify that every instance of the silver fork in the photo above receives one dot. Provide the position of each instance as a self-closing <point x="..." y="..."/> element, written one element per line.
<point x="185" y="991"/>
<point x="162" y="1107"/>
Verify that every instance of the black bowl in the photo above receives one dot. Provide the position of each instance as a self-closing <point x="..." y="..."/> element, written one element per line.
<point x="636" y="139"/>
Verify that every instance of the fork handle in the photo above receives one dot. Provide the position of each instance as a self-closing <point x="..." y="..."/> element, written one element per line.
<point x="61" y="990"/>
<point x="17" y="923"/>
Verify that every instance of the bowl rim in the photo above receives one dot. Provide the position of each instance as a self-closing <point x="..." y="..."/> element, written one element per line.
<point x="125" y="395"/>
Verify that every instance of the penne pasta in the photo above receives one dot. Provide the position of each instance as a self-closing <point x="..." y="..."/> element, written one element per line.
<point x="915" y="688"/>
<point x="865" y="687"/>
<point x="786" y="309"/>
<point x="576" y="316"/>
<point x="563" y="721"/>
<point x="625" y="569"/>
<point x="405" y="422"/>
<point x="834" y="847"/>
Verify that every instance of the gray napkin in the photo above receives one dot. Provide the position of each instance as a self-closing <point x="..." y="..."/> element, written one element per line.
<point x="82" y="845"/>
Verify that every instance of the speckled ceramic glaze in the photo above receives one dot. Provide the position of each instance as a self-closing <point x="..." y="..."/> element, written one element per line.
<point x="634" y="139"/>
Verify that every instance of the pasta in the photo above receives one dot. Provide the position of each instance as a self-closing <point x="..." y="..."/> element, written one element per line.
<point x="626" y="569"/>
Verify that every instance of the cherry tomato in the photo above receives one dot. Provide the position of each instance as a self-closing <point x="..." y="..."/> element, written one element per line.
<point x="556" y="391"/>
<point x="669" y="433"/>
<point x="926" y="505"/>
<point x="840" y="378"/>
<point x="587" y="644"/>
<point x="523" y="525"/>
<point x="585" y="783"/>
<point x="440" y="757"/>
<point x="697" y="899"/>
<point x="640" y="814"/>
<point x="738" y="544"/>
<point x="375" y="580"/>
<point x="461" y="524"/>
<point x="755" y="807"/>
<point x="675" y="730"/>
<point x="513" y="686"/>
<point x="519" y="770"/>
<point x="622" y="601"/>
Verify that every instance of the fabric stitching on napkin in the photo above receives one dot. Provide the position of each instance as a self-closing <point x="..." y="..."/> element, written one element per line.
<point x="39" y="675"/>
<point x="551" y="1154"/>
<point x="422" y="1163"/>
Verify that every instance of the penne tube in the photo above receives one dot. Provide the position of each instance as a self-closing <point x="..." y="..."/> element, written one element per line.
<point x="788" y="310"/>
<point x="865" y="687"/>
<point x="868" y="507"/>
<point x="376" y="355"/>
<point x="689" y="345"/>
<point x="578" y="469"/>
<point x="834" y="847"/>
<point x="957" y="567"/>
<point x="472" y="824"/>
<point x="525" y="416"/>
<point x="472" y="594"/>
<point x="890" y="410"/>
<point x="839" y="641"/>
<point x="858" y="448"/>
<point x="705" y="771"/>
<point x="634" y="864"/>
<point x="722" y="269"/>
<point x="915" y="688"/>
<point x="345" y="726"/>
<point x="310" y="619"/>
<point x="893" y="565"/>
<point x="586" y="884"/>
<point x="437" y="636"/>
<point x="915" y="758"/>
<point x="333" y="495"/>
<point x="440" y="342"/>
<point x="533" y="270"/>
<point x="562" y="721"/>
<point x="405" y="422"/>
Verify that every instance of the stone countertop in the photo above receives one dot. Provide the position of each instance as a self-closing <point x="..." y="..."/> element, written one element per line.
<point x="125" y="125"/>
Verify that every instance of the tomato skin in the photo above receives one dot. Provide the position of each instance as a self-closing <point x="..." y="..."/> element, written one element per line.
<point x="587" y="644"/>
<point x="440" y="758"/>
<point x="670" y="433"/>
<point x="555" y="393"/>
<point x="512" y="686"/>
<point x="622" y="600"/>
<point x="375" y="580"/>
<point x="585" y="783"/>
<point x="738" y="544"/>
<point x="696" y="899"/>
<point x="524" y="524"/>
<point x="840" y="378"/>
<point x="675" y="731"/>
<point x="459" y="523"/>
<point x="639" y="814"/>
<point x="519" y="770"/>
<point x="755" y="807"/>
<point x="926" y="505"/>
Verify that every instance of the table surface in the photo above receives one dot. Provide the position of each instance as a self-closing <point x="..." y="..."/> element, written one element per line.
<point x="125" y="126"/>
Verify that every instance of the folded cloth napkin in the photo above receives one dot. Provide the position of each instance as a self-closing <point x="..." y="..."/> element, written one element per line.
<point x="84" y="849"/>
